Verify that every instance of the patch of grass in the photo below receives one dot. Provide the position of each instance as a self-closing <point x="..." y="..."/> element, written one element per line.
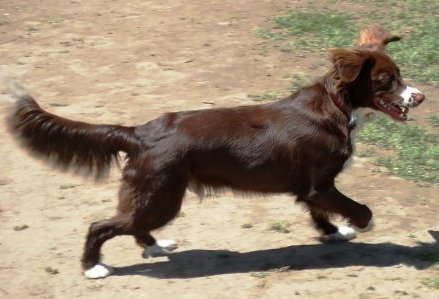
<point x="299" y="80"/>
<point x="262" y="284"/>
<point x="247" y="225"/>
<point x="67" y="186"/>
<point x="369" y="152"/>
<point x="315" y="29"/>
<point x="21" y="227"/>
<point x="399" y="292"/>
<point x="417" y="53"/>
<point x="260" y="274"/>
<point x="58" y="104"/>
<point x="394" y="279"/>
<point x="268" y="96"/>
<point x="51" y="270"/>
<point x="434" y="120"/>
<point x="237" y="17"/>
<point x="432" y="283"/>
<point x="280" y="227"/>
<point x="32" y="29"/>
<point x="416" y="151"/>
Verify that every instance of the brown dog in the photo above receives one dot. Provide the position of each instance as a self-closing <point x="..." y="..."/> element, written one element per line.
<point x="297" y="145"/>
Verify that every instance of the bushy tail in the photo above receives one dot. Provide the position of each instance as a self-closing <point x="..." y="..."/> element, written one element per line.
<point x="67" y="144"/>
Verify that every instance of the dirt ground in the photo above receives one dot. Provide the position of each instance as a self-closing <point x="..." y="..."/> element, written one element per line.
<point x="128" y="61"/>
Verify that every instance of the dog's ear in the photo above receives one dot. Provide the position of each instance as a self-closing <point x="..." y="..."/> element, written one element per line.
<point x="349" y="63"/>
<point x="376" y="37"/>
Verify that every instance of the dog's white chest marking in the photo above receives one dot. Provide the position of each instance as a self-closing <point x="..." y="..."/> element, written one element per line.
<point x="358" y="117"/>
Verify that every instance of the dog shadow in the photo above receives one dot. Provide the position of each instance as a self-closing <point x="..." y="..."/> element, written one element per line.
<point x="199" y="263"/>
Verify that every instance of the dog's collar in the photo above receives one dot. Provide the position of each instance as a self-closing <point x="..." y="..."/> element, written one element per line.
<point x="336" y="100"/>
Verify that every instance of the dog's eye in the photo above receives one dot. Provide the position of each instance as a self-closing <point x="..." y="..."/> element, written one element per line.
<point x="388" y="81"/>
<point x="385" y="81"/>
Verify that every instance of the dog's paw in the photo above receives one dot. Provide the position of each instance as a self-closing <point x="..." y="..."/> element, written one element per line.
<point x="368" y="227"/>
<point x="98" y="271"/>
<point x="160" y="248"/>
<point x="344" y="233"/>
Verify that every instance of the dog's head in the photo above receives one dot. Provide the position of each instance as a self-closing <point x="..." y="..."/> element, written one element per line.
<point x="371" y="77"/>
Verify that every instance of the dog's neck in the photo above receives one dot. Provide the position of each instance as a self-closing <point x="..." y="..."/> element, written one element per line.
<point x="340" y="102"/>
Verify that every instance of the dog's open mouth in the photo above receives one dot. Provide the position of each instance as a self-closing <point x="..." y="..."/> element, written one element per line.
<point x="393" y="109"/>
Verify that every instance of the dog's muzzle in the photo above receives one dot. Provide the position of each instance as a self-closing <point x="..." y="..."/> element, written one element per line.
<point x="412" y="97"/>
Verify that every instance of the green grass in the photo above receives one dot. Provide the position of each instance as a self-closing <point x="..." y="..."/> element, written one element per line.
<point x="432" y="283"/>
<point x="416" y="152"/>
<point x="299" y="80"/>
<point x="315" y="29"/>
<point x="417" y="53"/>
<point x="247" y="225"/>
<point x="366" y="153"/>
<point x="434" y="120"/>
<point x="280" y="227"/>
<point x="268" y="96"/>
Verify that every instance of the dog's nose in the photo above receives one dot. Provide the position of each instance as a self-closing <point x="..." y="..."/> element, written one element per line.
<point x="412" y="96"/>
<point x="418" y="98"/>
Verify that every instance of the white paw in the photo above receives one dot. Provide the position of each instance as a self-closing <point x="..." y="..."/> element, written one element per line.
<point x="98" y="271"/>
<point x="369" y="227"/>
<point x="161" y="248"/>
<point x="344" y="233"/>
<point x="168" y="244"/>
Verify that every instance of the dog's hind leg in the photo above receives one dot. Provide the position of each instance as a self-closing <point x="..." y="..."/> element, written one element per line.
<point x="163" y="206"/>
<point x="153" y="197"/>
<point x="148" y="199"/>
<point x="98" y="233"/>
<point x="153" y="247"/>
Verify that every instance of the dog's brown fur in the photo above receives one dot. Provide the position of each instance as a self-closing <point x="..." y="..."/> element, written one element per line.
<point x="297" y="145"/>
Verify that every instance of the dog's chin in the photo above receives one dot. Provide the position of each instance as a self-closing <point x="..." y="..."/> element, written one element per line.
<point x="395" y="110"/>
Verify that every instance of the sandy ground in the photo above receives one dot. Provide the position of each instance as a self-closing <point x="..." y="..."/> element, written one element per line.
<point x="127" y="62"/>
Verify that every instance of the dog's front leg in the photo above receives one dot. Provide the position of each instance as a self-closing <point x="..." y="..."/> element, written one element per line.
<point x="160" y="248"/>
<point x="333" y="201"/>
<point x="153" y="247"/>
